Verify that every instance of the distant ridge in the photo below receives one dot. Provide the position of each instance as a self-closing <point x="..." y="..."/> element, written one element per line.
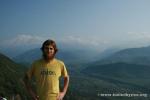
<point x="131" y="55"/>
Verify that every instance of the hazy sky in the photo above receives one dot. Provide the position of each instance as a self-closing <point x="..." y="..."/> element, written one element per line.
<point x="98" y="23"/>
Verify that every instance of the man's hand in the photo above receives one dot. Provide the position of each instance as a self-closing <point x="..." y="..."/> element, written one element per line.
<point x="60" y="96"/>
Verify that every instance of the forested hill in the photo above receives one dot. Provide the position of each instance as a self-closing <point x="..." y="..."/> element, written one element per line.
<point x="11" y="86"/>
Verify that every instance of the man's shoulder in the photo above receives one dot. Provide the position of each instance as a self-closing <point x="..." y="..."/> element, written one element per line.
<point x="59" y="61"/>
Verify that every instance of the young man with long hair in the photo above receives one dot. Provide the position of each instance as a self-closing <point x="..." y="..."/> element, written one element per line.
<point x="47" y="72"/>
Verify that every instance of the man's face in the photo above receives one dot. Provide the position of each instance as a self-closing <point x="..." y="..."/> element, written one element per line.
<point x="49" y="51"/>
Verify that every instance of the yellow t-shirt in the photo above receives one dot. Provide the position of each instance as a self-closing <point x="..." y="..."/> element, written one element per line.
<point x="47" y="76"/>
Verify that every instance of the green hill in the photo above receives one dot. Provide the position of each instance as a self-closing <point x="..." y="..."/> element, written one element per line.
<point x="119" y="78"/>
<point x="120" y="70"/>
<point x="11" y="79"/>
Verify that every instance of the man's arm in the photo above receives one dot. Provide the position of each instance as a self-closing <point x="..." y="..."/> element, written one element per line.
<point x="65" y="87"/>
<point x="66" y="83"/>
<point x="28" y="87"/>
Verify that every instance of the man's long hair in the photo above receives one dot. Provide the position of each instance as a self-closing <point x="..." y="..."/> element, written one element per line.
<point x="49" y="42"/>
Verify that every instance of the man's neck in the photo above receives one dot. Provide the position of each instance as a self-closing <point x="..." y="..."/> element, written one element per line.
<point x="48" y="59"/>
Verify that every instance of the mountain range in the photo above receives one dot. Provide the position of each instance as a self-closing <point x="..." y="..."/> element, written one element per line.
<point x="120" y="72"/>
<point x="69" y="56"/>
<point x="130" y="55"/>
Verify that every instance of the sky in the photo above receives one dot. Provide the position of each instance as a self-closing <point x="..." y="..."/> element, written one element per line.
<point x="98" y="24"/>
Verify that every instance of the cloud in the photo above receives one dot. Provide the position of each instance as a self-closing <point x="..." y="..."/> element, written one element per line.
<point x="22" y="40"/>
<point x="135" y="39"/>
<point x="88" y="41"/>
<point x="25" y="40"/>
<point x="139" y="35"/>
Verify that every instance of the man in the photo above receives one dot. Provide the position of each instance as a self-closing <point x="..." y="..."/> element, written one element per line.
<point x="46" y="72"/>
